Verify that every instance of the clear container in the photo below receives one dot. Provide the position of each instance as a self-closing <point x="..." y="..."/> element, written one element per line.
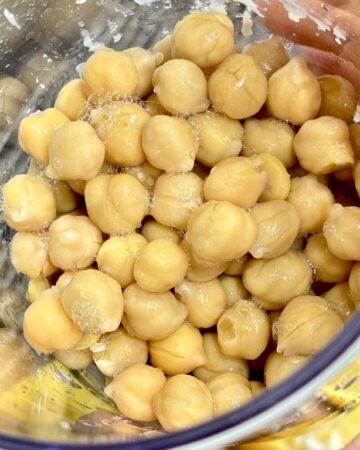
<point x="45" y="405"/>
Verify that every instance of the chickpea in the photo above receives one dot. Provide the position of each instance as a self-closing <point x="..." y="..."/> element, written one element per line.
<point x="356" y="175"/>
<point x="65" y="198"/>
<point x="153" y="107"/>
<point x="236" y="267"/>
<point x="176" y="197"/>
<point x="205" y="301"/>
<point x="151" y="316"/>
<point x="234" y="289"/>
<point x="354" y="284"/>
<point x="217" y="362"/>
<point x="181" y="87"/>
<point x="338" y="97"/>
<point x="243" y="330"/>
<point x="342" y="232"/>
<point x="306" y="325"/>
<point x="109" y="205"/>
<point x="116" y="351"/>
<point x="294" y="93"/>
<point x="204" y="38"/>
<point x="145" y="173"/>
<point x="29" y="203"/>
<point x="185" y="401"/>
<point x="29" y="255"/>
<point x="213" y="231"/>
<point x="160" y="266"/>
<point x="64" y="279"/>
<point x="119" y="125"/>
<point x="111" y="71"/>
<point x="36" y="131"/>
<point x="229" y="391"/>
<point x="164" y="46"/>
<point x="35" y="288"/>
<point x="13" y="88"/>
<point x="152" y="230"/>
<point x="72" y="98"/>
<point x="131" y="401"/>
<point x="354" y="130"/>
<point x="169" y="144"/>
<point x="328" y="268"/>
<point x="238" y="87"/>
<point x="94" y="301"/>
<point x="323" y="145"/>
<point x="269" y="306"/>
<point x="279" y="367"/>
<point x="278" y="185"/>
<point x="219" y="137"/>
<point x="278" y="224"/>
<point x="82" y="164"/>
<point x="270" y="136"/>
<point x="279" y="279"/>
<point x="77" y="186"/>
<point x="117" y="256"/>
<point x="47" y="327"/>
<point x="86" y="341"/>
<point x="180" y="352"/>
<point x="269" y="53"/>
<point x="74" y="359"/>
<point x="313" y="201"/>
<point x="339" y="297"/>
<point x="238" y="180"/>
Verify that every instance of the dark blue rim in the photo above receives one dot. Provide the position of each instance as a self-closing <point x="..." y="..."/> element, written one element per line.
<point x="278" y="394"/>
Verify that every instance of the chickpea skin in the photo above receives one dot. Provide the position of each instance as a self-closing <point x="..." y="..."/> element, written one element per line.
<point x="35" y="288"/>
<point x="234" y="289"/>
<point x="29" y="203"/>
<point x="169" y="144"/>
<point x="94" y="301"/>
<point x="160" y="266"/>
<point x="152" y="230"/>
<point x="181" y="87"/>
<point x="278" y="184"/>
<point x="72" y="98"/>
<point x="279" y="367"/>
<point x="238" y="87"/>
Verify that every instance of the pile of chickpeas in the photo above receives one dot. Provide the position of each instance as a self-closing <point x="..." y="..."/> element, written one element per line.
<point x="182" y="269"/>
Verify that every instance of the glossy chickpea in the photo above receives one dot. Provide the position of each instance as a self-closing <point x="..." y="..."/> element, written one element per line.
<point x="65" y="197"/>
<point x="74" y="359"/>
<point x="152" y="230"/>
<point x="35" y="288"/>
<point x="236" y="267"/>
<point x="77" y="186"/>
<point x="257" y="387"/>
<point x="64" y="279"/>
<point x="238" y="87"/>
<point x="72" y="98"/>
<point x="86" y="341"/>
<point x="354" y="284"/>
<point x="354" y="130"/>
<point x="279" y="367"/>
<point x="278" y="184"/>
<point x="356" y="176"/>
<point x="294" y="93"/>
<point x="153" y="107"/>
<point x="145" y="173"/>
<point x="234" y="289"/>
<point x="340" y="298"/>
<point x="164" y="47"/>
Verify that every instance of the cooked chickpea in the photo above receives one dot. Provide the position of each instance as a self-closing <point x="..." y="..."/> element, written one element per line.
<point x="205" y="301"/>
<point x="217" y="362"/>
<point x="219" y="137"/>
<point x="342" y="232"/>
<point x="214" y="228"/>
<point x="328" y="268"/>
<point x="86" y="341"/>
<point x="176" y="197"/>
<point x="65" y="197"/>
<point x="35" y="288"/>
<point x="340" y="298"/>
<point x="29" y="255"/>
<point x="306" y="325"/>
<point x="169" y="143"/>
<point x="119" y="125"/>
<point x="238" y="87"/>
<point x="180" y="352"/>
<point x="160" y="266"/>
<point x="116" y="351"/>
<point x="82" y="164"/>
<point x="354" y="130"/>
<point x="164" y="46"/>
<point x="238" y="180"/>
<point x="338" y="97"/>
<point x="72" y="98"/>
<point x="278" y="184"/>
<point x="356" y="175"/>
<point x="294" y="93"/>
<point x="152" y="106"/>
<point x="313" y="201"/>
<point x="29" y="203"/>
<point x="184" y="402"/>
<point x="270" y="136"/>
<point x="151" y="316"/>
<point x="36" y="130"/>
<point x="77" y="186"/>
<point x="354" y="284"/>
<point x="13" y="88"/>
<point x="94" y="301"/>
<point x="47" y="327"/>
<point x="269" y="306"/>
<point x="111" y="71"/>
<point x="181" y="87"/>
<point x="229" y="391"/>
<point x="236" y="267"/>
<point x="64" y="279"/>
<point x="145" y="173"/>
<point x="279" y="279"/>
<point x="243" y="330"/>
<point x="131" y="401"/>
<point x="234" y="289"/>
<point x="110" y="205"/>
<point x="152" y="230"/>
<point x="279" y="367"/>
<point x="269" y="53"/>
<point x="323" y="145"/>
<point x="278" y="224"/>
<point x="74" y="359"/>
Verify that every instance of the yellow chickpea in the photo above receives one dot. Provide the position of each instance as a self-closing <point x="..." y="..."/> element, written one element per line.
<point x="354" y="130"/>
<point x="152" y="230"/>
<point x="72" y="98"/>
<point x="152" y="106"/>
<point x="77" y="186"/>
<point x="234" y="289"/>
<point x="236" y="267"/>
<point x="278" y="185"/>
<point x="164" y="47"/>
<point x="356" y="177"/>
<point x="279" y="367"/>
<point x="145" y="173"/>
<point x="35" y="288"/>
<point x="65" y="197"/>
<point x="74" y="359"/>
<point x="64" y="279"/>
<point x="340" y="298"/>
